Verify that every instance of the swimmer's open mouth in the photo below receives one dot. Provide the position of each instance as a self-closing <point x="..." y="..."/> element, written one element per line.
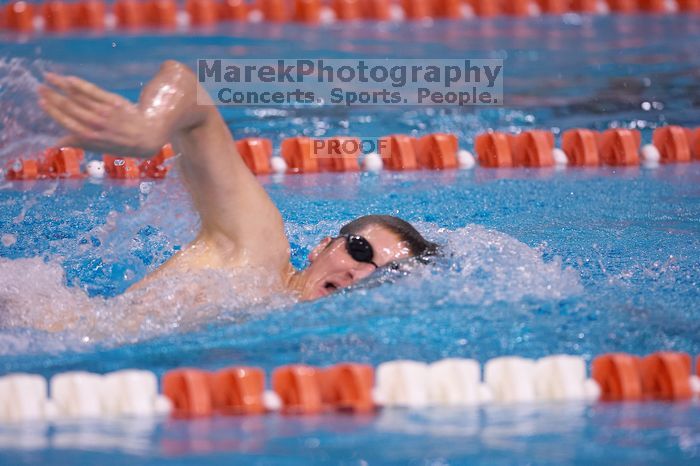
<point x="330" y="287"/>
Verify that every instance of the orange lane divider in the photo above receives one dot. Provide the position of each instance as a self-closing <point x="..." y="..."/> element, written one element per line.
<point x="22" y="169"/>
<point x="416" y="9"/>
<point x="19" y="16"/>
<point x="348" y="387"/>
<point x="63" y="162"/>
<point x="121" y="167"/>
<point x="673" y="144"/>
<point x="340" y="154"/>
<point x="379" y="10"/>
<point x="486" y="8"/>
<point x="274" y="11"/>
<point x="554" y="7"/>
<point x="238" y="390"/>
<point x="130" y="14"/>
<point x="493" y="150"/>
<point x="189" y="392"/>
<point x="619" y="147"/>
<point x="154" y="167"/>
<point x="581" y="147"/>
<point x="666" y="376"/>
<point x="398" y="153"/>
<point x="451" y="9"/>
<point x="517" y="7"/>
<point x="688" y="6"/>
<point x="618" y="376"/>
<point x="653" y="6"/>
<point x="298" y="388"/>
<point x="695" y="137"/>
<point x="347" y="10"/>
<point x="162" y="13"/>
<point x="307" y="11"/>
<point x="57" y="16"/>
<point x="622" y="6"/>
<point x="584" y="6"/>
<point x="436" y="151"/>
<point x="298" y="153"/>
<point x="202" y="12"/>
<point x="256" y="153"/>
<point x="532" y="149"/>
<point x="90" y="14"/>
<point x="233" y="10"/>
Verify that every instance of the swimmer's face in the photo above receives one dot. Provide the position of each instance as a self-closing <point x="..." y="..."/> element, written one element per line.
<point x="332" y="267"/>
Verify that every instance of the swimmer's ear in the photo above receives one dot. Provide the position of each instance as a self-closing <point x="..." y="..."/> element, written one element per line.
<point x="319" y="248"/>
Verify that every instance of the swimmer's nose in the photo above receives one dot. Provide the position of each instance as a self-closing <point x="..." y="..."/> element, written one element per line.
<point x="360" y="271"/>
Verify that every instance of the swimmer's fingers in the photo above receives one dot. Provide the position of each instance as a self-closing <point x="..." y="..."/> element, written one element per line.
<point x="78" y="129"/>
<point x="64" y="85"/>
<point x="68" y="106"/>
<point x="91" y="91"/>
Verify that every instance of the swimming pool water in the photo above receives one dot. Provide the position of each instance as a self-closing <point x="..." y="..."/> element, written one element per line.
<point x="542" y="261"/>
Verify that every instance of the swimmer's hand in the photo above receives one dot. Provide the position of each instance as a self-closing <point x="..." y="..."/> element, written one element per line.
<point x="98" y="120"/>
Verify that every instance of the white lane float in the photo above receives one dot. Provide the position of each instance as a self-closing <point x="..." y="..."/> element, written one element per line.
<point x="560" y="157"/>
<point x="465" y="159"/>
<point x="130" y="393"/>
<point x="278" y="165"/>
<point x="23" y="397"/>
<point x="77" y="394"/>
<point x="402" y="383"/>
<point x="373" y="162"/>
<point x="455" y="382"/>
<point x="95" y="169"/>
<point x="651" y="157"/>
<point x="511" y="379"/>
<point x="560" y="377"/>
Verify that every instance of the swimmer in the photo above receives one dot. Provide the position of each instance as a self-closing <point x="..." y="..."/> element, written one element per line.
<point x="241" y="227"/>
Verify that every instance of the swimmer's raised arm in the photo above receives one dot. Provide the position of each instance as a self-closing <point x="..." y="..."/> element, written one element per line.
<point x="238" y="217"/>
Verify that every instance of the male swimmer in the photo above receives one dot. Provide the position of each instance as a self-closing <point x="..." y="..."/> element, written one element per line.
<point x="240" y="226"/>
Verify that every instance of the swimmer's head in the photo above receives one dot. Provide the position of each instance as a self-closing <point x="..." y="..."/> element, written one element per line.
<point x="363" y="245"/>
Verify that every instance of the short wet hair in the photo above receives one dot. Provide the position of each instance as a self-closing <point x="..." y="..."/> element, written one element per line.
<point x="417" y="244"/>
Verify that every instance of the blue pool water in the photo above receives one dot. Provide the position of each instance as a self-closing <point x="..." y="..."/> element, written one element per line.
<point x="540" y="261"/>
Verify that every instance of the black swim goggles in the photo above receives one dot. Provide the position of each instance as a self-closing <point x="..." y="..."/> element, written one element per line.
<point x="359" y="249"/>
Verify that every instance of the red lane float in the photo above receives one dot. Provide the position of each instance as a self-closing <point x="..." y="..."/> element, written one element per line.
<point x="619" y="377"/>
<point x="90" y="14"/>
<point x="347" y="10"/>
<point x="202" y="12"/>
<point x="130" y="14"/>
<point x="379" y="10"/>
<point x="436" y="151"/>
<point x="20" y="16"/>
<point x="298" y="153"/>
<point x="348" y="387"/>
<point x="274" y="11"/>
<point x="398" y="153"/>
<point x="532" y="149"/>
<point x="416" y="9"/>
<point x="486" y="8"/>
<point x="307" y="11"/>
<point x="619" y="147"/>
<point x="451" y="9"/>
<point x="695" y="137"/>
<point x="554" y="7"/>
<point x="622" y="6"/>
<point x="298" y="386"/>
<point x="584" y="6"/>
<point x="22" y="169"/>
<point x="653" y="6"/>
<point x="666" y="376"/>
<point x="517" y="7"/>
<point x="688" y="6"/>
<point x="673" y="144"/>
<point x="340" y="154"/>
<point x="154" y="167"/>
<point x="581" y="147"/>
<point x="256" y="153"/>
<point x="162" y="13"/>
<point x="238" y="390"/>
<point x="233" y="10"/>
<point x="57" y="16"/>
<point x="189" y="392"/>
<point x="493" y="150"/>
<point x="121" y="167"/>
